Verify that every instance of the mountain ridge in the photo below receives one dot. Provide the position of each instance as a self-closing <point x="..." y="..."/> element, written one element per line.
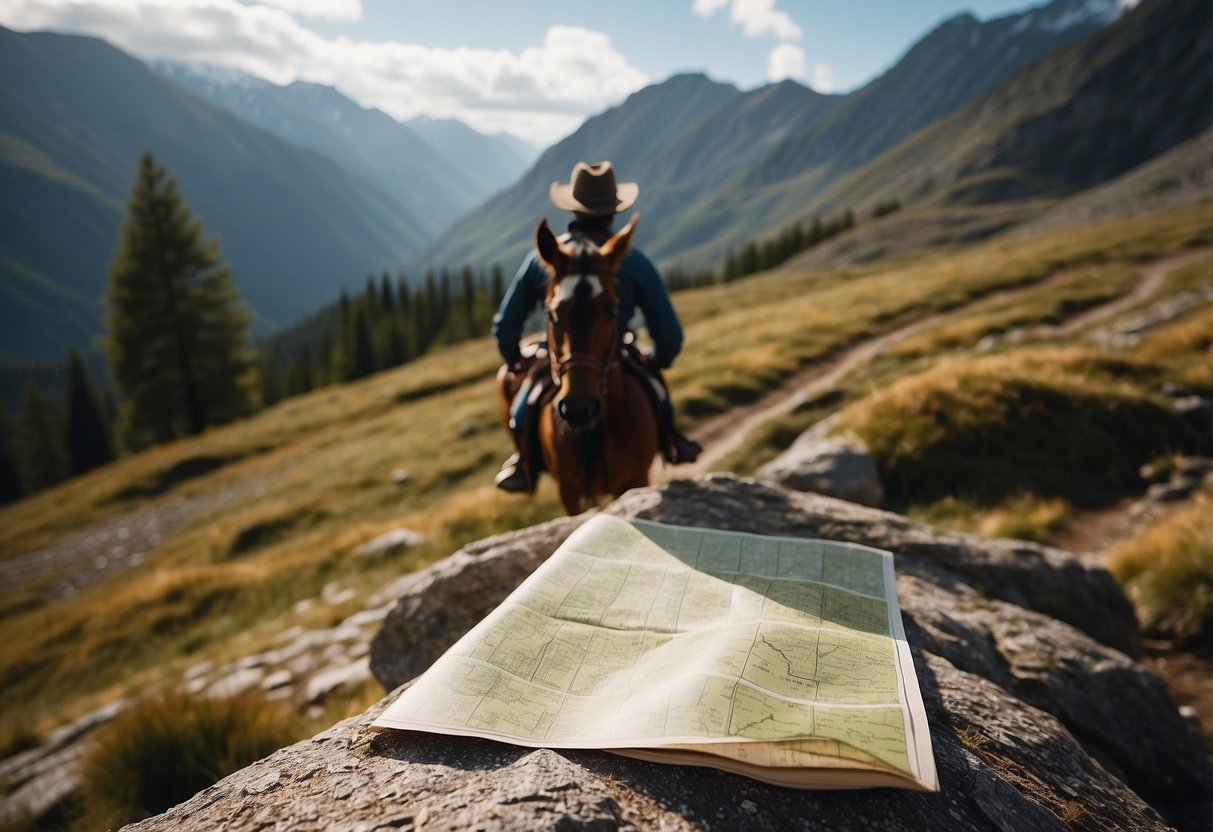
<point x="630" y="129"/>
<point x="694" y="218"/>
<point x="299" y="227"/>
<point x="435" y="185"/>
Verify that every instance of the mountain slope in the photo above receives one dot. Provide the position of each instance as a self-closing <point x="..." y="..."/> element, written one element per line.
<point x="501" y="229"/>
<point x="1181" y="176"/>
<point x="1076" y="119"/>
<point x="490" y="162"/>
<point x="436" y="187"/>
<point x="75" y="114"/>
<point x="959" y="61"/>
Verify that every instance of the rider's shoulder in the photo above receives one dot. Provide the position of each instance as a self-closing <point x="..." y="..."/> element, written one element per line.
<point x="638" y="264"/>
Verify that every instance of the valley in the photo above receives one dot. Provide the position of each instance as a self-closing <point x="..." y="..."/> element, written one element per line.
<point x="1014" y="327"/>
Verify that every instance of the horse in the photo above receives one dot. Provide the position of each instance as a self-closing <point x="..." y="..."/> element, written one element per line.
<point x="598" y="434"/>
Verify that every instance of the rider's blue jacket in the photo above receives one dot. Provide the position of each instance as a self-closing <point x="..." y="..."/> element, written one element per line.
<point x="639" y="286"/>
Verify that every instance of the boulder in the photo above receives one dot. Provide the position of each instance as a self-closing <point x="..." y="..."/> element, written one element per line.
<point x="38" y="784"/>
<point x="237" y="682"/>
<point x="836" y="467"/>
<point x="325" y="682"/>
<point x="1040" y="719"/>
<point x="392" y="541"/>
<point x="439" y="604"/>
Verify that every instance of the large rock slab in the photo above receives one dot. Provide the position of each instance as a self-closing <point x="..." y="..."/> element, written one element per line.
<point x="834" y="467"/>
<point x="439" y="604"/>
<point x="1038" y="723"/>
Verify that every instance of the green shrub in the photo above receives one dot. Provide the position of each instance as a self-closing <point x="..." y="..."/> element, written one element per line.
<point x="1167" y="572"/>
<point x="169" y="747"/>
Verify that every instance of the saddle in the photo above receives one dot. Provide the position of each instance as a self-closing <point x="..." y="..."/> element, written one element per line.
<point x="541" y="389"/>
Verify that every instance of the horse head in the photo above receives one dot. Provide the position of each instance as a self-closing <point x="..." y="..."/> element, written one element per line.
<point x="583" y="334"/>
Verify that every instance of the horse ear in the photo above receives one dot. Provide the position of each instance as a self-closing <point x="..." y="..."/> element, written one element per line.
<point x="615" y="248"/>
<point x="549" y="248"/>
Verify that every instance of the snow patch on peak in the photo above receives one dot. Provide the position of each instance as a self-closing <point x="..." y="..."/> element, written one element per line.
<point x="217" y="76"/>
<point x="1060" y="16"/>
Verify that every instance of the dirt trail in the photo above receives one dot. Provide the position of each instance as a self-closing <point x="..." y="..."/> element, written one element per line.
<point x="723" y="434"/>
<point x="1151" y="279"/>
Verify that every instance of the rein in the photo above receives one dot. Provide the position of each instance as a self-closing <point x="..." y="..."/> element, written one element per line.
<point x="560" y="366"/>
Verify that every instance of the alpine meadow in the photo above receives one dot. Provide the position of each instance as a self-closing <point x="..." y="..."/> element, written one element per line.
<point x="251" y="406"/>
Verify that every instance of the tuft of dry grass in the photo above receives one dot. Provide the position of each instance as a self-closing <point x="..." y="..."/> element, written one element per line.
<point x="1022" y="516"/>
<point x="1057" y="422"/>
<point x="1187" y="346"/>
<point x="1167" y="572"/>
<point x="168" y="747"/>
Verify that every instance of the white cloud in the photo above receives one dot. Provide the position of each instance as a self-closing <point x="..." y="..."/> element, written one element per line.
<point x="540" y="93"/>
<point x="785" y="61"/>
<point x="707" y="8"/>
<point x="755" y="17"/>
<point x="320" y="9"/>
<point x="760" y="17"/>
<point x="823" y="79"/>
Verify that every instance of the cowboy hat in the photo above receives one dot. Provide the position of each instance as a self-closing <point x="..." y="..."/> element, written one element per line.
<point x="592" y="189"/>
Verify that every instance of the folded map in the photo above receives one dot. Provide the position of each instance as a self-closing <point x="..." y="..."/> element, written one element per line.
<point x="783" y="659"/>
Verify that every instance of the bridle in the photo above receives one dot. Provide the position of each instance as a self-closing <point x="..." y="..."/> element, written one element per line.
<point x="560" y="366"/>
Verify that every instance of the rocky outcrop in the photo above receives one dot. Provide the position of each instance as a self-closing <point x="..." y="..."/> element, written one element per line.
<point x="834" y="467"/>
<point x="1039" y="717"/>
<point x="439" y="604"/>
<point x="38" y="783"/>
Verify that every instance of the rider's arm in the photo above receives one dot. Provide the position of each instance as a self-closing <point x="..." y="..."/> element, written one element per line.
<point x="659" y="314"/>
<point x="522" y="296"/>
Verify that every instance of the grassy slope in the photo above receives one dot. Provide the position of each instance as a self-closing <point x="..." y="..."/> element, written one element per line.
<point x="312" y="475"/>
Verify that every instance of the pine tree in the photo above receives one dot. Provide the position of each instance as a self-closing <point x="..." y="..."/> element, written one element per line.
<point x="10" y="478"/>
<point x="341" y="355"/>
<point x="404" y="316"/>
<point x="370" y="302"/>
<point x="468" y="291"/>
<point x="816" y="233"/>
<point x="324" y="373"/>
<point x="498" y="285"/>
<point x="41" y="454"/>
<point x="177" y="331"/>
<point x="386" y="302"/>
<point x="302" y="376"/>
<point x="88" y="433"/>
<point x="271" y="380"/>
<point x="363" y="358"/>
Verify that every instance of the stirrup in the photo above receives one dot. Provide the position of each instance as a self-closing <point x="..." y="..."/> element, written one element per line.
<point x="683" y="450"/>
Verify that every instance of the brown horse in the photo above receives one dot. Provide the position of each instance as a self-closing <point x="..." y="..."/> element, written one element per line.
<point x="598" y="433"/>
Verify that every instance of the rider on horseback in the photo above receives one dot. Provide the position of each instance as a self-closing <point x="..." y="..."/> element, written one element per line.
<point x="594" y="197"/>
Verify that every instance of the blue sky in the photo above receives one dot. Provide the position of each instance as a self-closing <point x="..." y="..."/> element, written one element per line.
<point x="535" y="68"/>
<point x="856" y="38"/>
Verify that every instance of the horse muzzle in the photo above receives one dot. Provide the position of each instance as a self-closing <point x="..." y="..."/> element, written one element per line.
<point x="580" y="415"/>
